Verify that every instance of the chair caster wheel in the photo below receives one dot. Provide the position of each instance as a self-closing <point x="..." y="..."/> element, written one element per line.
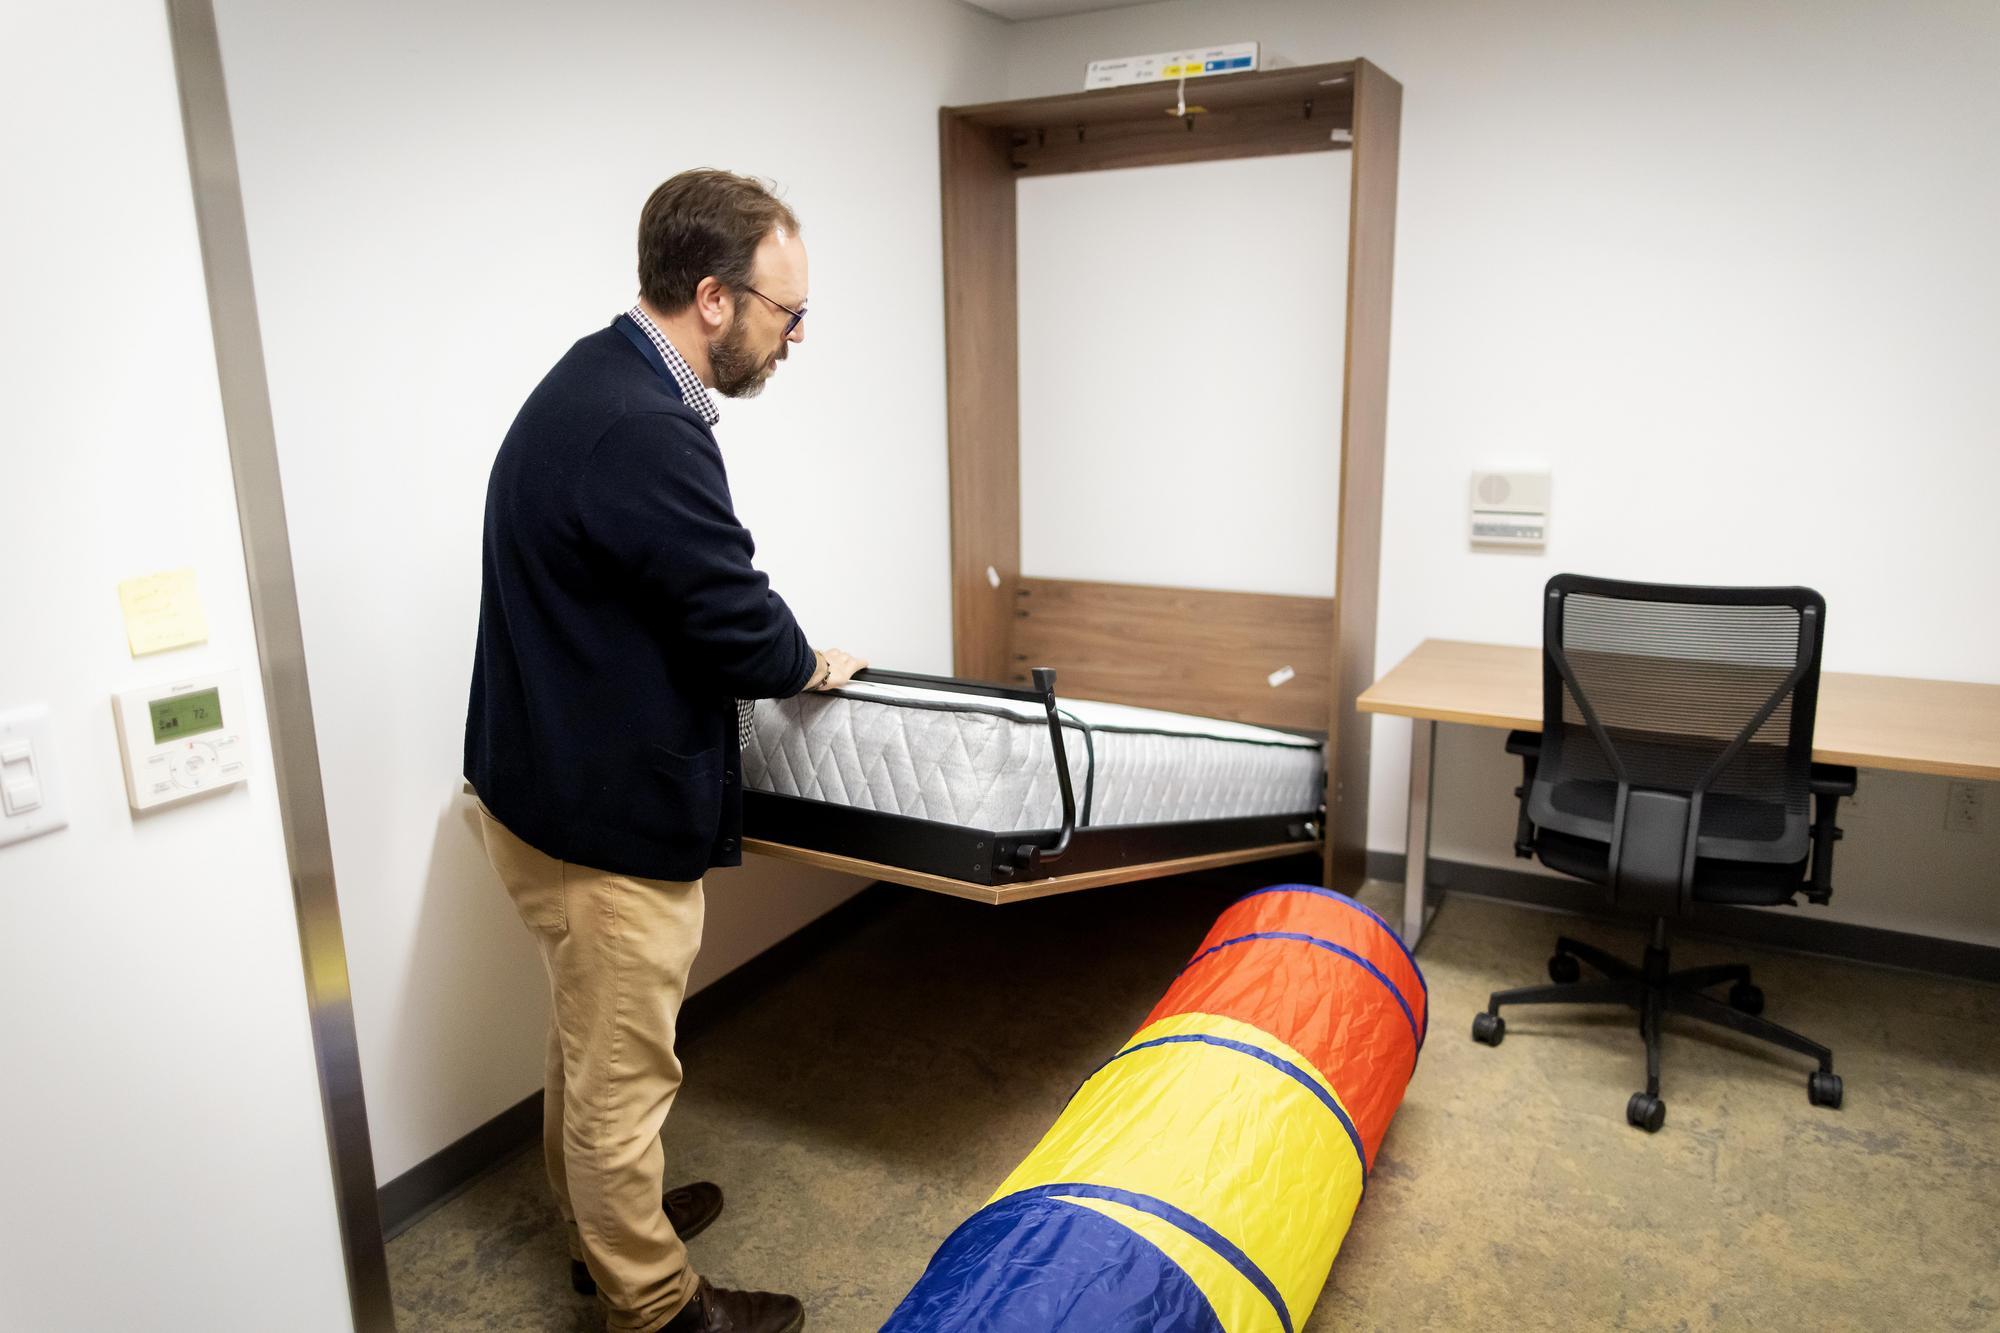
<point x="1489" y="1028"/>
<point x="1646" y="1112"/>
<point x="1564" y="969"/>
<point x="1746" y="998"/>
<point x="1823" y="1089"/>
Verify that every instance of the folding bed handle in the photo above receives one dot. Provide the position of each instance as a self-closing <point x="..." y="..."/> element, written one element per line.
<point x="1029" y="857"/>
<point x="1033" y="856"/>
<point x="913" y="680"/>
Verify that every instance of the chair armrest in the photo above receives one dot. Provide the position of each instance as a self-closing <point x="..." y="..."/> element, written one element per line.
<point x="1527" y="744"/>
<point x="1829" y="783"/>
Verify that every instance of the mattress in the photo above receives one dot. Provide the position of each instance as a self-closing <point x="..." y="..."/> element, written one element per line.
<point x="988" y="763"/>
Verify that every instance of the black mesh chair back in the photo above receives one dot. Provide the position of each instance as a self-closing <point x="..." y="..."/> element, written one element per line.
<point x="1677" y="727"/>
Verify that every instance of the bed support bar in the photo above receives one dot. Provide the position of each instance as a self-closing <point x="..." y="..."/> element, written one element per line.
<point x="1028" y="858"/>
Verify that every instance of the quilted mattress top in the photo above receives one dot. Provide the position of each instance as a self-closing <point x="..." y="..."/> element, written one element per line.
<point x="988" y="763"/>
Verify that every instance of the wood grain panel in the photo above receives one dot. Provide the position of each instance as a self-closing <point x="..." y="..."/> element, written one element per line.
<point x="1031" y="889"/>
<point x="1371" y="260"/>
<point x="1475" y="684"/>
<point x="1329" y="87"/>
<point x="1947" y="728"/>
<point x="1181" y="649"/>
<point x="982" y="394"/>
<point x="1252" y="132"/>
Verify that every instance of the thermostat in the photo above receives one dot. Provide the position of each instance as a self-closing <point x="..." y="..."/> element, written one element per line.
<point x="181" y="738"/>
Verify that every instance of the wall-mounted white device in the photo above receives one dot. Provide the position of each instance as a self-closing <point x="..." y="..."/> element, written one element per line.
<point x="1510" y="508"/>
<point x="181" y="738"/>
<point x="31" y="801"/>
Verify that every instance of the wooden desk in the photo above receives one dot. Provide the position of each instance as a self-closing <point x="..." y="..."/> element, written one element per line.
<point x="1945" y="728"/>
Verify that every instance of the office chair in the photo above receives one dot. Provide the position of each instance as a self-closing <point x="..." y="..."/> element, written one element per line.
<point x="1675" y="767"/>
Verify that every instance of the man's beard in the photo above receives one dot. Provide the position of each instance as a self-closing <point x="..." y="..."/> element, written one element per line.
<point x="739" y="372"/>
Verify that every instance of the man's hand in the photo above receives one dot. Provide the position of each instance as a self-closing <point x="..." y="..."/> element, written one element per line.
<point x="836" y="668"/>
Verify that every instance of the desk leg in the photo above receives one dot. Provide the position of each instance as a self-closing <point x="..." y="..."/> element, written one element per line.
<point x="1417" y="910"/>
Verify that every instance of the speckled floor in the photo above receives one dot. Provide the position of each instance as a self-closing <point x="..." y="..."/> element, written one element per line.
<point x="859" y="1108"/>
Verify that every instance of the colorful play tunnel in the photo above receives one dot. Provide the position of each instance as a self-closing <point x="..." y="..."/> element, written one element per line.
<point x="1202" y="1179"/>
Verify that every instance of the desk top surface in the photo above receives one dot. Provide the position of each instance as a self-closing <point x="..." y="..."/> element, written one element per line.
<point x="1944" y="727"/>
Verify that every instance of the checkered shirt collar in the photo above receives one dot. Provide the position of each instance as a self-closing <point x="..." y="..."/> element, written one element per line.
<point x="693" y="392"/>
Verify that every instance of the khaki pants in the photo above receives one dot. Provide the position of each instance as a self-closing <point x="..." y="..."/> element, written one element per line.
<point x="617" y="951"/>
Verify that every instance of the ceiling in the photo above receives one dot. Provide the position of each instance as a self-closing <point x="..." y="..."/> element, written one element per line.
<point x="1017" y="10"/>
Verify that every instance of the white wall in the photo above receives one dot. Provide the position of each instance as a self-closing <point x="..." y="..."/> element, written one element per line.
<point x="1181" y="332"/>
<point x="166" y="1157"/>
<point x="1729" y="271"/>
<point x="442" y="197"/>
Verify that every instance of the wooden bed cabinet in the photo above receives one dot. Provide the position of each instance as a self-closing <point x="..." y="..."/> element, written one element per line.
<point x="1204" y="652"/>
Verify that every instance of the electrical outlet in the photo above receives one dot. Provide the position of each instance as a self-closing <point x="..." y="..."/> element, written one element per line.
<point x="1962" y="806"/>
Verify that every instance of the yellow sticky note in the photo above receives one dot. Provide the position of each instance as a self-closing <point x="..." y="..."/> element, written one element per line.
<point x="162" y="611"/>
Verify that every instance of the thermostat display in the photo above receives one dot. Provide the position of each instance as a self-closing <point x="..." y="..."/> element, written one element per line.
<point x="181" y="738"/>
<point x="186" y="715"/>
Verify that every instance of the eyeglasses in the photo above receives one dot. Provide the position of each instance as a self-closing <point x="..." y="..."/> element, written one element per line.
<point x="797" y="315"/>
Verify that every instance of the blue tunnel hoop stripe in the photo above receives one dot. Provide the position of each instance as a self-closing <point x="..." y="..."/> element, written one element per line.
<point x="1186" y="1221"/>
<point x="1300" y="937"/>
<point x="1373" y="915"/>
<point x="1345" y="901"/>
<point x="1284" y="1066"/>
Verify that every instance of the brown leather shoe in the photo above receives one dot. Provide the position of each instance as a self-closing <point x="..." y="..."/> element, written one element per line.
<point x="690" y="1208"/>
<point x="719" y="1310"/>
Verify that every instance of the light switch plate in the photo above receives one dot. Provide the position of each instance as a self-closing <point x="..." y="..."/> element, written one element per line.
<point x="28" y="767"/>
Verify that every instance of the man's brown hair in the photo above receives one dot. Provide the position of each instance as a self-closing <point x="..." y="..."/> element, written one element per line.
<point x="704" y="223"/>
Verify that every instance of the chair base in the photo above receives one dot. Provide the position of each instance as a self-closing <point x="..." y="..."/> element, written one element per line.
<point x="1654" y="990"/>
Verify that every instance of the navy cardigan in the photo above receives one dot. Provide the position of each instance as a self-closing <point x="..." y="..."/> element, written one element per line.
<point x="620" y="618"/>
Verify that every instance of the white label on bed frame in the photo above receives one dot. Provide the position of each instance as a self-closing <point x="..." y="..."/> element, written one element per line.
<point x="1280" y="676"/>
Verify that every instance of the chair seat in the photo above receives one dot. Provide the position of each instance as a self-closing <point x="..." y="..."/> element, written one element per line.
<point x="1739" y="883"/>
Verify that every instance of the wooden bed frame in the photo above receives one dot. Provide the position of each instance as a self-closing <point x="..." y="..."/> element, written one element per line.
<point x="1202" y="652"/>
<point x="1214" y="654"/>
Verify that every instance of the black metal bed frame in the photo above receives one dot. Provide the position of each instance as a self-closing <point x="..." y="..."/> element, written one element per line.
<point x="996" y="856"/>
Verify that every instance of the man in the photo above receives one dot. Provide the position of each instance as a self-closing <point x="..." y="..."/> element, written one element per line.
<point x="620" y="620"/>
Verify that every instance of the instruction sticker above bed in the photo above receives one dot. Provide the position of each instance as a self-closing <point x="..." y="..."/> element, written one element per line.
<point x="1235" y="58"/>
